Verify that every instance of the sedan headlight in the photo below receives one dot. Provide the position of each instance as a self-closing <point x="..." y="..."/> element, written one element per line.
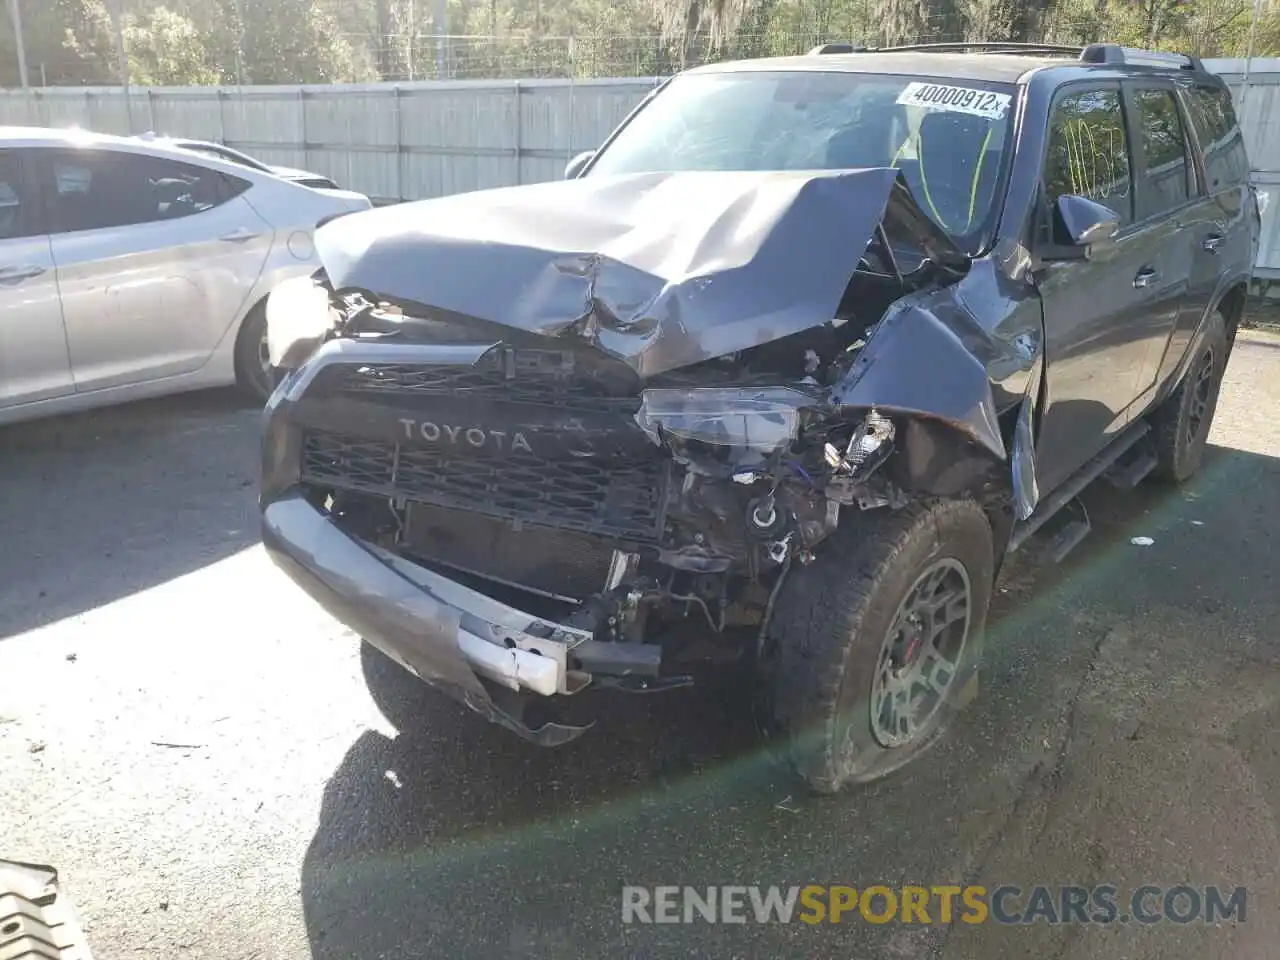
<point x="298" y="320"/>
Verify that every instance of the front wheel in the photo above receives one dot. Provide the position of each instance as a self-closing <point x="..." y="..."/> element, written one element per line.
<point x="875" y="646"/>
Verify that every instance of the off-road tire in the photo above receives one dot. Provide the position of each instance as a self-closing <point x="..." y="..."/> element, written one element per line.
<point x="1179" y="444"/>
<point x="251" y="379"/>
<point x="830" y="622"/>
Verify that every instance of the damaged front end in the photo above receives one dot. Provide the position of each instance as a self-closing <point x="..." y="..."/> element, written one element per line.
<point x="610" y="461"/>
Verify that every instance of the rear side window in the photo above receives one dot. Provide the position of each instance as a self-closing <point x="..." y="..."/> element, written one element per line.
<point x="17" y="216"/>
<point x="1214" y="119"/>
<point x="98" y="189"/>
<point x="231" y="187"/>
<point x="1088" y="151"/>
<point x="1169" y="177"/>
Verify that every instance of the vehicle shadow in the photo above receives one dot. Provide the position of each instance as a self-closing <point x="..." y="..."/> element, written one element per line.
<point x="463" y="841"/>
<point x="103" y="504"/>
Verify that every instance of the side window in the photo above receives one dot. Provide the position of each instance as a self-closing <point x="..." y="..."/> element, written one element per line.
<point x="1088" y="151"/>
<point x="97" y="189"/>
<point x="1214" y="120"/>
<point x="232" y="187"/>
<point x="1169" y="177"/>
<point x="17" y="217"/>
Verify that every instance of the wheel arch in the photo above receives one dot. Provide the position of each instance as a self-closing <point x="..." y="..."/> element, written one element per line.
<point x="936" y="459"/>
<point x="258" y="307"/>
<point x="1231" y="304"/>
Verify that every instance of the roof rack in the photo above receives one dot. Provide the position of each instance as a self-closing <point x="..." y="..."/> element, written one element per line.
<point x="1113" y="53"/>
<point x="825" y="48"/>
<point x="985" y="46"/>
<point x="1094" y="53"/>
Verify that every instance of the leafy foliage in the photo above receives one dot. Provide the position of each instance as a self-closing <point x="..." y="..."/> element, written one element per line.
<point x="320" y="41"/>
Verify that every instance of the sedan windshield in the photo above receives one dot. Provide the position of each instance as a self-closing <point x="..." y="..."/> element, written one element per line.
<point x="948" y="137"/>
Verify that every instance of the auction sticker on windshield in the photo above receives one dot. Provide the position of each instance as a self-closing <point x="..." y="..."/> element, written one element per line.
<point x="936" y="96"/>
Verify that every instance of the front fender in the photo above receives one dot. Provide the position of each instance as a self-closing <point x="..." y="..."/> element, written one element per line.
<point x="281" y="265"/>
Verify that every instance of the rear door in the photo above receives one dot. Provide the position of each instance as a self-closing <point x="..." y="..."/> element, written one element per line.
<point x="1173" y="210"/>
<point x="1095" y="311"/>
<point x="155" y="258"/>
<point x="1222" y="233"/>
<point x="33" y="345"/>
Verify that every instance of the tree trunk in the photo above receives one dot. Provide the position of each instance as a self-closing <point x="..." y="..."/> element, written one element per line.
<point x="385" y="59"/>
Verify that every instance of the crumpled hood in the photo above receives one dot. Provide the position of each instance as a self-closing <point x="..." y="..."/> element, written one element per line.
<point x="660" y="270"/>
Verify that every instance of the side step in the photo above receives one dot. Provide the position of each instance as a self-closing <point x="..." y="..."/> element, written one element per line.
<point x="1126" y="474"/>
<point x="1060" y="498"/>
<point x="1069" y="537"/>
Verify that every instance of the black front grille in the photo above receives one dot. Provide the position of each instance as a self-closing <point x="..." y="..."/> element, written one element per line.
<point x="559" y="563"/>
<point x="543" y="377"/>
<point x="617" y="498"/>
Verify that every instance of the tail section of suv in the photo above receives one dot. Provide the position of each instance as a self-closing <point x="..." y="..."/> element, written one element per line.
<point x="777" y="378"/>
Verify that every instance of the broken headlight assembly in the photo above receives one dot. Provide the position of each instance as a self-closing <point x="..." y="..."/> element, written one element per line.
<point x="767" y="466"/>
<point x="724" y="430"/>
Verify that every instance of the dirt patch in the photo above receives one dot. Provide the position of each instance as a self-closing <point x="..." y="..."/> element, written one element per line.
<point x="1262" y="312"/>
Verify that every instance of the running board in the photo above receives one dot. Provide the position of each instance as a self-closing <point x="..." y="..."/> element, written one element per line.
<point x="1049" y="507"/>
<point x="1126" y="476"/>
<point x="1069" y="538"/>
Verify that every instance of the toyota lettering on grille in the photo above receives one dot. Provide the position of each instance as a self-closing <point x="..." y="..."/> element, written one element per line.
<point x="461" y="435"/>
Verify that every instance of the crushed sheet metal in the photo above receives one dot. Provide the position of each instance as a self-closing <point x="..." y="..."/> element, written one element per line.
<point x="1026" y="491"/>
<point x="888" y="375"/>
<point x="1026" y="488"/>
<point x="661" y="270"/>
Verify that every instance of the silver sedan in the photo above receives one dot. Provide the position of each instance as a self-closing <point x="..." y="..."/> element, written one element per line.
<point x="130" y="269"/>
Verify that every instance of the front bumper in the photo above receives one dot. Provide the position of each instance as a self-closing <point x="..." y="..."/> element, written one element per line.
<point x="446" y="633"/>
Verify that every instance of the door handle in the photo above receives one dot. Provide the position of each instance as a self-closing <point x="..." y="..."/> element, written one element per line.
<point x="1212" y="242"/>
<point x="1146" y="277"/>
<point x="239" y="236"/>
<point x="17" y="274"/>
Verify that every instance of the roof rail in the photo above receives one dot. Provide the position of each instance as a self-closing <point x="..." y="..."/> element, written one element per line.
<point x="1113" y="53"/>
<point x="985" y="46"/>
<point x="825" y="48"/>
<point x="1095" y="53"/>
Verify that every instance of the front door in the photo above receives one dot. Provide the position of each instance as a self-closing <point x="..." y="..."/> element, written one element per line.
<point x="1097" y="311"/>
<point x="33" y="346"/>
<point x="155" y="258"/>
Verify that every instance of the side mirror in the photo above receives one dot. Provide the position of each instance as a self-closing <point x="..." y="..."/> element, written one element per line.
<point x="576" y="165"/>
<point x="1087" y="223"/>
<point x="1080" y="228"/>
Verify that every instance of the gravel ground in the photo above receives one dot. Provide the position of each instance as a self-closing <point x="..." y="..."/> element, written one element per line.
<point x="188" y="738"/>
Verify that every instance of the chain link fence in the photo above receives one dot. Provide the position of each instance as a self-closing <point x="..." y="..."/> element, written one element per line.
<point x="1209" y="28"/>
<point x="583" y="56"/>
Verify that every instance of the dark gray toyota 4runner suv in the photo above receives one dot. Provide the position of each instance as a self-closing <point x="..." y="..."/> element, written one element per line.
<point x="777" y="378"/>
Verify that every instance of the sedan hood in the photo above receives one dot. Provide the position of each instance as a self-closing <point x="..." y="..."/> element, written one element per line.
<point x="659" y="270"/>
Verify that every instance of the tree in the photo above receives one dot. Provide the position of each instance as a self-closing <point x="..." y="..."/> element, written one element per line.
<point x="166" y="49"/>
<point x="281" y="41"/>
<point x="684" y="20"/>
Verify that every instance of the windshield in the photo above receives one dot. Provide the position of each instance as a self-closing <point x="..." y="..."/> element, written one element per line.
<point x="947" y="137"/>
